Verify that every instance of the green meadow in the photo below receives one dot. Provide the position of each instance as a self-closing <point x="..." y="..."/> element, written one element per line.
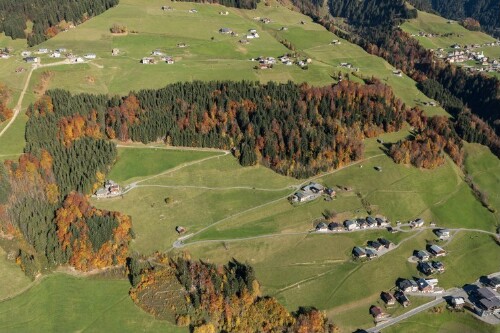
<point x="61" y="303"/>
<point x="243" y="212"/>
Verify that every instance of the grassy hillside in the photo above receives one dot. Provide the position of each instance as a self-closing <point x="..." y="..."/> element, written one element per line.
<point x="14" y="279"/>
<point x="430" y="23"/>
<point x="139" y="161"/>
<point x="61" y="303"/>
<point x="253" y="222"/>
<point x="446" y="322"/>
<point x="484" y="169"/>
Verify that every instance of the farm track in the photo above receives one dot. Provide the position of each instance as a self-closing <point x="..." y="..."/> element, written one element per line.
<point x="18" y="106"/>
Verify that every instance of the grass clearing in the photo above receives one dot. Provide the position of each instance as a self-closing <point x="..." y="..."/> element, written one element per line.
<point x="61" y="303"/>
<point x="430" y="23"/>
<point x="14" y="279"/>
<point x="446" y="322"/>
<point x="484" y="168"/>
<point x="142" y="161"/>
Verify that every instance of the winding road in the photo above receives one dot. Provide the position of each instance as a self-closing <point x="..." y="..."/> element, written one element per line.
<point x="18" y="106"/>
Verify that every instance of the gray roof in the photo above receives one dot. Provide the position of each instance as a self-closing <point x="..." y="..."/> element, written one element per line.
<point x="436" y="249"/>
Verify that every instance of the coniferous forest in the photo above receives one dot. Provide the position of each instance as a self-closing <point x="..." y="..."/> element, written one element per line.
<point x="296" y="130"/>
<point x="475" y="96"/>
<point x="47" y="16"/>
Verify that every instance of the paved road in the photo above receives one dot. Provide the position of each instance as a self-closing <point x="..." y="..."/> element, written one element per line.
<point x="406" y="315"/>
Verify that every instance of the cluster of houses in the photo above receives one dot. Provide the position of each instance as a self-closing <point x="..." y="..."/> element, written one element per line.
<point x="487" y="298"/>
<point x="157" y="55"/>
<point x="109" y="190"/>
<point x="311" y="192"/>
<point x="418" y="223"/>
<point x="419" y="285"/>
<point x="264" y="20"/>
<point x="33" y="57"/>
<point x="5" y="53"/>
<point x="366" y="223"/>
<point x="460" y="54"/>
<point x="348" y="65"/>
<point x="373" y="250"/>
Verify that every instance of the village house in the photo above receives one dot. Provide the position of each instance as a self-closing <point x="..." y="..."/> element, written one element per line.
<point x="192" y="11"/>
<point x="157" y="53"/>
<point x="371" y="253"/>
<point x="407" y="286"/>
<point x="371" y="220"/>
<point x="166" y="8"/>
<point x="265" y="20"/>
<point x="180" y="230"/>
<point x="312" y="190"/>
<point x="225" y="13"/>
<point x="443" y="233"/>
<point x="25" y="53"/>
<point x="336" y="42"/>
<point x="438" y="266"/>
<point x="244" y="41"/>
<point x="388" y="298"/>
<point x="110" y="189"/>
<point x="424" y="286"/>
<point x="382" y="222"/>
<point x="358" y="252"/>
<point x="387" y="243"/>
<point x="148" y="61"/>
<point x="376" y="245"/>
<point x="55" y="54"/>
<point x="334" y="226"/>
<point x="351" y="225"/>
<point x="322" y="227"/>
<point x="181" y="45"/>
<point x="43" y="51"/>
<point x="418" y="223"/>
<point x="422" y="255"/>
<point x="402" y="298"/>
<point x="362" y="223"/>
<point x="283" y="29"/>
<point x="90" y="56"/>
<point x="225" y="31"/>
<point x="494" y="282"/>
<point x="115" y="52"/>
<point x="488" y="301"/>
<point x="457" y="302"/>
<point x="397" y="73"/>
<point x="436" y="250"/>
<point x="32" y="60"/>
<point x="77" y="60"/>
<point x="425" y="268"/>
<point x="4" y="56"/>
<point x="377" y="313"/>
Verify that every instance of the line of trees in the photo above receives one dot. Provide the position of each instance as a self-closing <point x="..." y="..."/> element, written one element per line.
<point x="5" y="95"/>
<point x="243" y="4"/>
<point x="46" y="15"/>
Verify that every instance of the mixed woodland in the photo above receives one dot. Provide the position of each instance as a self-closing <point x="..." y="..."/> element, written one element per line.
<point x="214" y="298"/>
<point x="49" y="17"/>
